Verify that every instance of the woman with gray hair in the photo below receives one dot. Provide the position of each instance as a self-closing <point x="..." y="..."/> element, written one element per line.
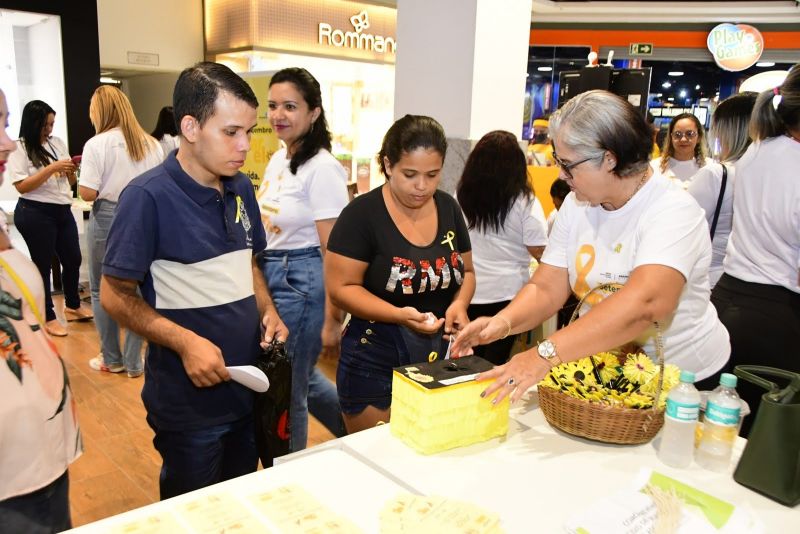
<point x="712" y="186"/>
<point x="623" y="227"/>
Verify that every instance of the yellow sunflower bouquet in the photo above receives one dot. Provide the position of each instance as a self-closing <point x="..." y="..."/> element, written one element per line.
<point x="605" y="379"/>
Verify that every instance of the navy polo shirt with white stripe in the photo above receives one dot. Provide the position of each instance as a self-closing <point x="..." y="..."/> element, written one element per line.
<point x="191" y="249"/>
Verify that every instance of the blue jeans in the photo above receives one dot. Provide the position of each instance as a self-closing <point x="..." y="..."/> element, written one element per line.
<point x="96" y="234"/>
<point x="294" y="278"/>
<point x="43" y="511"/>
<point x="196" y="458"/>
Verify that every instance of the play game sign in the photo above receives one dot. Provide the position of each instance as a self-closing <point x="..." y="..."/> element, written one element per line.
<point x="735" y="46"/>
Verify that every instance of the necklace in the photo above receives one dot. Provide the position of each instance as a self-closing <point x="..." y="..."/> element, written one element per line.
<point x="638" y="186"/>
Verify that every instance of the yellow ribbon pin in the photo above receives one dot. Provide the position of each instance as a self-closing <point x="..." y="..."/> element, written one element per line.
<point x="238" y="207"/>
<point x="432" y="356"/>
<point x="448" y="239"/>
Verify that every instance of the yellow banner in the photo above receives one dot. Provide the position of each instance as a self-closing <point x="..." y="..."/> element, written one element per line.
<point x="263" y="143"/>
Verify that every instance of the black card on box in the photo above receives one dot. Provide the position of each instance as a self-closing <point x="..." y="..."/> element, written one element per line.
<point x="443" y="373"/>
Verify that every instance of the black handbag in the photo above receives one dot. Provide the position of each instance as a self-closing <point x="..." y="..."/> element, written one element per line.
<point x="271" y="412"/>
<point x="770" y="462"/>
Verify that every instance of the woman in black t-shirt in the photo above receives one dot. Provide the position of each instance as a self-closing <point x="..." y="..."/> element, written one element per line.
<point x="399" y="261"/>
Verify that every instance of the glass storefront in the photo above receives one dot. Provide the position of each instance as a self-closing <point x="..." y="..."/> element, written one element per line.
<point x="349" y="47"/>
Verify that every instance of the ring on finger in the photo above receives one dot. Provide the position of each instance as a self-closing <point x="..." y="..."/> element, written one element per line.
<point x="511" y="381"/>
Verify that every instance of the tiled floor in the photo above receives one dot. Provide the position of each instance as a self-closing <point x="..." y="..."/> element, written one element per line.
<point x="119" y="468"/>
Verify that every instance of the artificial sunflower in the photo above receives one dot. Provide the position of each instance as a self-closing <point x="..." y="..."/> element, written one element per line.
<point x="639" y="368"/>
<point x="607" y="366"/>
<point x="672" y="376"/>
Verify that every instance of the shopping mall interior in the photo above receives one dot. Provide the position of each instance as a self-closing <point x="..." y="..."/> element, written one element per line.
<point x="454" y="61"/>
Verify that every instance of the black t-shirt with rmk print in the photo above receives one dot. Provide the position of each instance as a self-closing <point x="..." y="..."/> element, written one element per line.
<point x="403" y="274"/>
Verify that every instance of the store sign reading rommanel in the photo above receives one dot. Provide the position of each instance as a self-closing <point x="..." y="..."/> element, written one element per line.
<point x="735" y="46"/>
<point x="356" y="39"/>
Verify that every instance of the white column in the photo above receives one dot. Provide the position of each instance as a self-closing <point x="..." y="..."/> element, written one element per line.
<point x="463" y="62"/>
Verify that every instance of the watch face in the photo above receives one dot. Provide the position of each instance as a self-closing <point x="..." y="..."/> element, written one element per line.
<point x="547" y="349"/>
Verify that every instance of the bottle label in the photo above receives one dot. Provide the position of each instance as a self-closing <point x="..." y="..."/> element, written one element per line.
<point x="721" y="415"/>
<point x="682" y="411"/>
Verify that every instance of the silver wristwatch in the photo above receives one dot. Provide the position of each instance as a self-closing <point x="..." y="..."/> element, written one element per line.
<point x="547" y="351"/>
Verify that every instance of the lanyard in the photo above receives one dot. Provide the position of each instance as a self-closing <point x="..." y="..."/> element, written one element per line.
<point x="52" y="154"/>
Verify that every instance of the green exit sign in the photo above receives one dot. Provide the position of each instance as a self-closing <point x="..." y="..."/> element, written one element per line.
<point x="641" y="49"/>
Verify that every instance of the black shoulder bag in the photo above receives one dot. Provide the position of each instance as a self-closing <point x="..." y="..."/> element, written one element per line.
<point x="719" y="200"/>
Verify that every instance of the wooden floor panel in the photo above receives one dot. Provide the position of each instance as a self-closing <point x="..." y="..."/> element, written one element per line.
<point x="119" y="468"/>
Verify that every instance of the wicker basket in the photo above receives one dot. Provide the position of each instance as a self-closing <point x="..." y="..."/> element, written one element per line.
<point x="601" y="422"/>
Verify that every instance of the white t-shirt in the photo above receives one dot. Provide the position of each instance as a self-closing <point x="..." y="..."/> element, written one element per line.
<point x="660" y="225"/>
<point x="292" y="203"/>
<point x="764" y="246"/>
<point x="107" y="168"/>
<point x="704" y="187"/>
<point x="54" y="190"/>
<point x="551" y="220"/>
<point x="169" y="143"/>
<point x="682" y="171"/>
<point x="501" y="261"/>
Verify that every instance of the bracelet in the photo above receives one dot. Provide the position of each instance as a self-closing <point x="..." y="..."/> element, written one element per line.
<point x="508" y="324"/>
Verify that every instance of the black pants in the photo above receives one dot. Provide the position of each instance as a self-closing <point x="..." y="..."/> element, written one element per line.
<point x="764" y="324"/>
<point x="50" y="230"/>
<point x="498" y="351"/>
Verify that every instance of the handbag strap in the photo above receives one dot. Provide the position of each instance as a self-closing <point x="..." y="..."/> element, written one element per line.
<point x="719" y="200"/>
<point x="23" y="287"/>
<point x="750" y="373"/>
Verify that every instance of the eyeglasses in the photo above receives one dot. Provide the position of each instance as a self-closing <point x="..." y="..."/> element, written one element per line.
<point x="567" y="167"/>
<point x="691" y="134"/>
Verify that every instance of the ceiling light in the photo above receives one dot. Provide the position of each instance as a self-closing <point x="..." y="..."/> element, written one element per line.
<point x="544" y="69"/>
<point x="675" y="73"/>
<point x="106" y="79"/>
<point x="666" y="85"/>
<point x="671" y="99"/>
<point x="659" y="95"/>
<point x="682" y="94"/>
<point x="697" y="87"/>
<point x="765" y="64"/>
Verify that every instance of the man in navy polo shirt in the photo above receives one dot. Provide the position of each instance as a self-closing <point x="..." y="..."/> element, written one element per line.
<point x="186" y="234"/>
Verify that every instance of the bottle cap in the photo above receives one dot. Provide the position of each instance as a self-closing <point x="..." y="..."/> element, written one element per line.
<point x="728" y="380"/>
<point x="687" y="376"/>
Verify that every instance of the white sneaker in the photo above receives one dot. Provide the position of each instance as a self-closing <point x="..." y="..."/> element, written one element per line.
<point x="98" y="364"/>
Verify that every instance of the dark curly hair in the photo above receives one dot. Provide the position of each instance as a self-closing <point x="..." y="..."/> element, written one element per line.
<point x="495" y="174"/>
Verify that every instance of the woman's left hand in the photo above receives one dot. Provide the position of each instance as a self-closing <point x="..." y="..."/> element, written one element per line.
<point x="524" y="370"/>
<point x="455" y="318"/>
<point x="331" y="339"/>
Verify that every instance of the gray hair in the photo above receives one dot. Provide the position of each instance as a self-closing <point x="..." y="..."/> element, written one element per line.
<point x="595" y="122"/>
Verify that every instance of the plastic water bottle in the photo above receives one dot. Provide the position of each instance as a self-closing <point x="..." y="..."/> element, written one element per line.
<point x="680" y="420"/>
<point x="721" y="425"/>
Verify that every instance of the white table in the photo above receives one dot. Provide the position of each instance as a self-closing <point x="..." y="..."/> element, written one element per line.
<point x="534" y="478"/>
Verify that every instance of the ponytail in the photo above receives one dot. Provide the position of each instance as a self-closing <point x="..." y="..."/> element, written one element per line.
<point x="777" y="110"/>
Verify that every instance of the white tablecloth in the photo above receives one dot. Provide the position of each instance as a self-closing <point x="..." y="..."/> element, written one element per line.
<point x="534" y="478"/>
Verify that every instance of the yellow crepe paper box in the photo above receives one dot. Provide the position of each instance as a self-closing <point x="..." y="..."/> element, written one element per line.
<point x="437" y="406"/>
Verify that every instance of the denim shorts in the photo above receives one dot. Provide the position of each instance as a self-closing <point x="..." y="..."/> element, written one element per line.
<point x="370" y="351"/>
